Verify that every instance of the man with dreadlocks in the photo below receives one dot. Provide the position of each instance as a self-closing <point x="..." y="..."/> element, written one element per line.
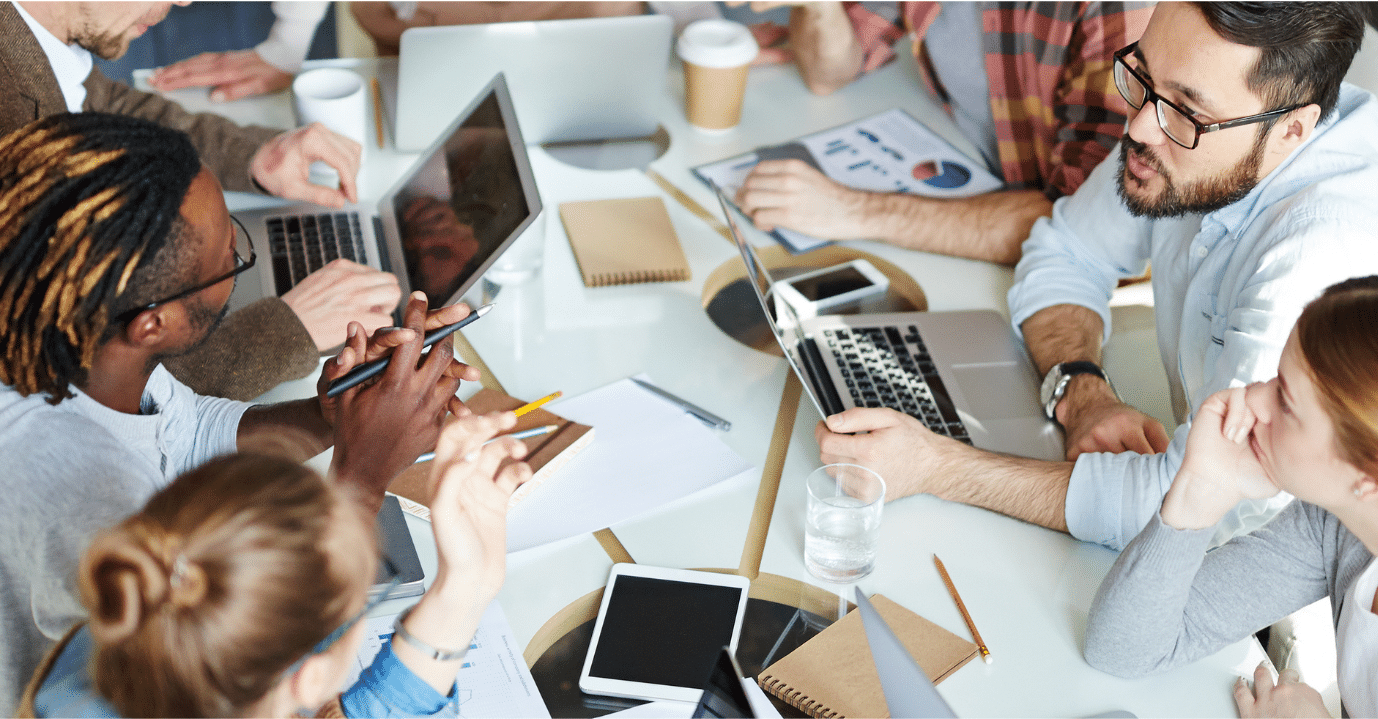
<point x="46" y="53"/>
<point x="116" y="251"/>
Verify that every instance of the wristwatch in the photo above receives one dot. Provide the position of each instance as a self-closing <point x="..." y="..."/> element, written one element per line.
<point x="1055" y="383"/>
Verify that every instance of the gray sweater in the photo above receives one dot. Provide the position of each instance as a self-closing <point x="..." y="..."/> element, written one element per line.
<point x="70" y="471"/>
<point x="1167" y="602"/>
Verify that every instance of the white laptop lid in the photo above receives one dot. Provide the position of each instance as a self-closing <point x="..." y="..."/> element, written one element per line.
<point x="571" y="80"/>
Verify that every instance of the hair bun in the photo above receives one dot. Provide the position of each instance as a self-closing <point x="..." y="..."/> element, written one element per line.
<point x="126" y="582"/>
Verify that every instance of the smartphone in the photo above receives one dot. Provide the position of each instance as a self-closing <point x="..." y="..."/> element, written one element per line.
<point x="823" y="291"/>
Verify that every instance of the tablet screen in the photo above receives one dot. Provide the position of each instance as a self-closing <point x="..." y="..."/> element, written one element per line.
<point x="660" y="631"/>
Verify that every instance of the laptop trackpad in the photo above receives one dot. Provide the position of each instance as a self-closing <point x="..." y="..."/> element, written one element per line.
<point x="997" y="391"/>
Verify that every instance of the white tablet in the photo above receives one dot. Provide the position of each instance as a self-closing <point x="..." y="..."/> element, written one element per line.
<point x="659" y="631"/>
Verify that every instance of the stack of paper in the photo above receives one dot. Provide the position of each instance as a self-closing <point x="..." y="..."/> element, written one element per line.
<point x="648" y="453"/>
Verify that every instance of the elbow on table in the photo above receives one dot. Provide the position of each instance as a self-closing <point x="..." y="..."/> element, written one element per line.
<point x="1114" y="656"/>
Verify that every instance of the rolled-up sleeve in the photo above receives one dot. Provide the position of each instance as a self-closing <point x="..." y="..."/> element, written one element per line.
<point x="387" y="688"/>
<point x="1077" y="255"/>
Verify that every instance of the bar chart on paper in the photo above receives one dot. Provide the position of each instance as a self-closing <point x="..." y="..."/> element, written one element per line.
<point x="493" y="680"/>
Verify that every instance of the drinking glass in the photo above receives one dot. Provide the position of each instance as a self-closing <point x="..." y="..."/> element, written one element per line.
<point x="842" y="524"/>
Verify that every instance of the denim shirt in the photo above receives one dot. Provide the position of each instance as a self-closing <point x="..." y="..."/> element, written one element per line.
<point x="387" y="688"/>
<point x="1227" y="287"/>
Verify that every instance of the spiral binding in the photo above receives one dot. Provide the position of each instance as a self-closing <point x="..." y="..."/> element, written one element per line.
<point x="798" y="699"/>
<point x="638" y="277"/>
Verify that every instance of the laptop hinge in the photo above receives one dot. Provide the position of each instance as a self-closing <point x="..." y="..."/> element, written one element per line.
<point x="813" y="365"/>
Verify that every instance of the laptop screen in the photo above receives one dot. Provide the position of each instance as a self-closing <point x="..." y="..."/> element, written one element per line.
<point x="786" y="327"/>
<point x="465" y="203"/>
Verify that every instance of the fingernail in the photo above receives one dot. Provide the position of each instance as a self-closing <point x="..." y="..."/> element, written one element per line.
<point x="418" y="295"/>
<point x="353" y="330"/>
<point x="217" y="96"/>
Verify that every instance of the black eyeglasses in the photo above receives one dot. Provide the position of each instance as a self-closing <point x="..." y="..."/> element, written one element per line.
<point x="1176" y="122"/>
<point x="242" y="245"/>
<point x="393" y="578"/>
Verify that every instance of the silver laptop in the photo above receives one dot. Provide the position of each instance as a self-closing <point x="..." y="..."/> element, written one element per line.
<point x="572" y="80"/>
<point x="963" y="374"/>
<point x="464" y="201"/>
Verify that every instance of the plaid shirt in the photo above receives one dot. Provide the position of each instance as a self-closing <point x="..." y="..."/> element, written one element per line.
<point x="1050" y="75"/>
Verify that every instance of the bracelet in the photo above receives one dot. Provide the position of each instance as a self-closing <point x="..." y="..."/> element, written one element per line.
<point x="440" y="655"/>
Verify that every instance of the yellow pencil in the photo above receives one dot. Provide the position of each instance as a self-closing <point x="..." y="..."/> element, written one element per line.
<point x="533" y="405"/>
<point x="961" y="607"/>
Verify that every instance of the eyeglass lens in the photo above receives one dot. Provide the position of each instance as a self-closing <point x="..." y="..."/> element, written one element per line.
<point x="1177" y="126"/>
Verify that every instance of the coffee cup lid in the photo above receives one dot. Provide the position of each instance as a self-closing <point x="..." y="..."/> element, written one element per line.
<point x="717" y="43"/>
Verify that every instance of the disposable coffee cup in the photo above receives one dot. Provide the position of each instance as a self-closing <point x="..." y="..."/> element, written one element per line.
<point x="336" y="98"/>
<point x="717" y="55"/>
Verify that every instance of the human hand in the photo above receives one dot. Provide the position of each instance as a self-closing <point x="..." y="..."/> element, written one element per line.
<point x="472" y="484"/>
<point x="1289" y="698"/>
<point x="382" y="426"/>
<point x="1220" y="468"/>
<point x="1095" y="420"/>
<point x="905" y="453"/>
<point x="231" y="75"/>
<point x="327" y="300"/>
<point x="793" y="195"/>
<point x="283" y="165"/>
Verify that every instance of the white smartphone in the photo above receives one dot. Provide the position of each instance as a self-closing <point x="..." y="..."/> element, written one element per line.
<point x="659" y="631"/>
<point x="821" y="291"/>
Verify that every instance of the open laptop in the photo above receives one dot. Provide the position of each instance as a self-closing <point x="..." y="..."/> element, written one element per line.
<point x="573" y="80"/>
<point x="464" y="201"/>
<point x="963" y="374"/>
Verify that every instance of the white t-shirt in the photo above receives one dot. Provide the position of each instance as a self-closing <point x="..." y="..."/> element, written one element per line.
<point x="71" y="64"/>
<point x="1356" y="646"/>
<point x="71" y="470"/>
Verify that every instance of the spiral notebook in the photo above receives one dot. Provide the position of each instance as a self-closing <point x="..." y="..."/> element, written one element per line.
<point x="624" y="241"/>
<point x="546" y="454"/>
<point x="832" y="675"/>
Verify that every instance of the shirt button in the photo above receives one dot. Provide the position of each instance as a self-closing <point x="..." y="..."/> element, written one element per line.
<point x="1201" y="251"/>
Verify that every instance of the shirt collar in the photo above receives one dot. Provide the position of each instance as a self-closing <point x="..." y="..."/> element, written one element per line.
<point x="1297" y="169"/>
<point x="71" y="64"/>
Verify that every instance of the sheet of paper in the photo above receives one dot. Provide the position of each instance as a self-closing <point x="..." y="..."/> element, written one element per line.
<point x="889" y="152"/>
<point x="647" y="453"/>
<point x="493" y="680"/>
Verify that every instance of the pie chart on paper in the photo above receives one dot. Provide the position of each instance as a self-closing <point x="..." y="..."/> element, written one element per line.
<point x="941" y="174"/>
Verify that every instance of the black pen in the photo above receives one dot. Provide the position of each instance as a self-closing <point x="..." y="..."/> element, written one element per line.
<point x="371" y="369"/>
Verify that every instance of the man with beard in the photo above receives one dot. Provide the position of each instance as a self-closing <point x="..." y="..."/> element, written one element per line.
<point x="46" y="51"/>
<point x="1245" y="178"/>
<point x="116" y="252"/>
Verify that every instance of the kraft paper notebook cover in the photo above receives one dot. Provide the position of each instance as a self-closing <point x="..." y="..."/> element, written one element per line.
<point x="622" y="242"/>
<point x="833" y="676"/>
<point x="546" y="454"/>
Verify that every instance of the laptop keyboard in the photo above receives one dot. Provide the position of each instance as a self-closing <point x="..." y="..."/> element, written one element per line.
<point x="883" y="367"/>
<point x="302" y="244"/>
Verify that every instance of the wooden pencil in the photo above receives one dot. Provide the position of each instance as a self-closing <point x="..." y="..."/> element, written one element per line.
<point x="962" y="607"/>
<point x="378" y="110"/>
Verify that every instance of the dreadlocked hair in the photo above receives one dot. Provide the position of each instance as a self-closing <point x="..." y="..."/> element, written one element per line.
<point x="88" y="202"/>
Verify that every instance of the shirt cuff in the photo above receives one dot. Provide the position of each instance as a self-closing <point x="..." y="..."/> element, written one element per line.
<point x="388" y="688"/>
<point x="290" y="38"/>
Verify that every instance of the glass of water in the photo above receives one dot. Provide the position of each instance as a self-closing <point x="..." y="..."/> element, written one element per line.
<point x="842" y="524"/>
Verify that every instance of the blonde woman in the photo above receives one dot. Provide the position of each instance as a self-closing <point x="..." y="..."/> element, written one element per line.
<point x="1313" y="432"/>
<point x="239" y="590"/>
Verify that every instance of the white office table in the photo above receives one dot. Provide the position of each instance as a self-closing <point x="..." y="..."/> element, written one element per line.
<point x="1027" y="588"/>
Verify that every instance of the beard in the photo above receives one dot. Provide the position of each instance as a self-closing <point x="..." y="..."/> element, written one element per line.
<point x="202" y="317"/>
<point x="1202" y="196"/>
<point x="105" y="46"/>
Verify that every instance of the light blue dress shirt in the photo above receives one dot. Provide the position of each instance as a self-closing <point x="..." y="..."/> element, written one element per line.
<point x="387" y="688"/>
<point x="1227" y="288"/>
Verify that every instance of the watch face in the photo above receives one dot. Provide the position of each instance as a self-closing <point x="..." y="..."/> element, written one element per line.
<point x="1050" y="380"/>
